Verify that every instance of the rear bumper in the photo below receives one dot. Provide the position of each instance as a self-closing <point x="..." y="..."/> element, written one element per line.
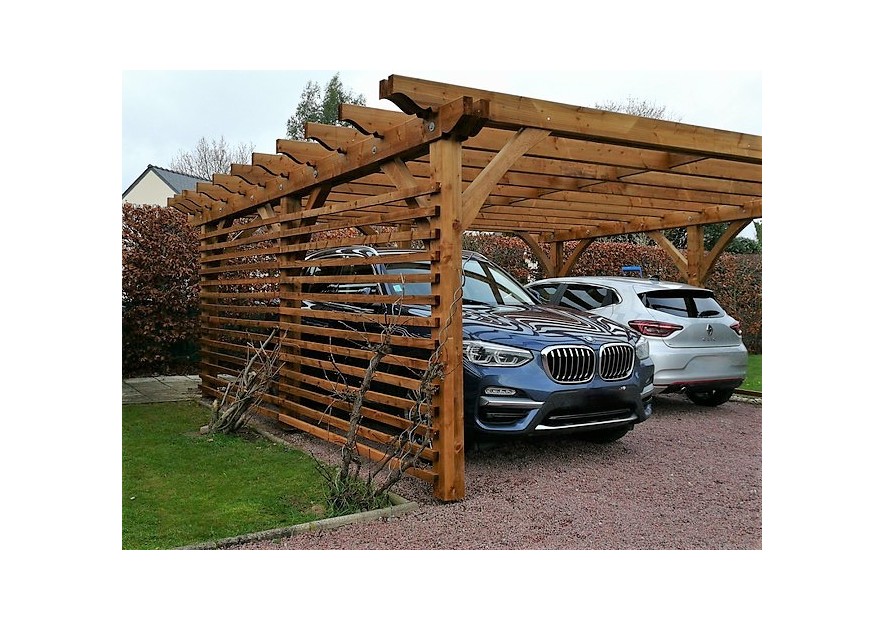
<point x="678" y="368"/>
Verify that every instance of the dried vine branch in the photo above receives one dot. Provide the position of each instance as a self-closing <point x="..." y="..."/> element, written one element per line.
<point x="242" y="396"/>
<point x="349" y="485"/>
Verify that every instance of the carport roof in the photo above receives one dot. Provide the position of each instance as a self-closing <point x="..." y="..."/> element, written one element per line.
<point x="553" y="170"/>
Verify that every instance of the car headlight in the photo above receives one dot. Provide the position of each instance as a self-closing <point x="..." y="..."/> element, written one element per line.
<point x="642" y="348"/>
<point x="484" y="353"/>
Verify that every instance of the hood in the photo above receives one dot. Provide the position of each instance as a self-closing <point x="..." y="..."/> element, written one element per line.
<point x="536" y="327"/>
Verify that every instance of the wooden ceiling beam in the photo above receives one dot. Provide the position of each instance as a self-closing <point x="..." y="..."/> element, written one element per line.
<point x="371" y="120"/>
<point x="278" y="165"/>
<point x="216" y="192"/>
<point x="233" y="184"/>
<point x="254" y="175"/>
<point x="362" y="157"/>
<point x="203" y="202"/>
<point x="680" y="181"/>
<point x="416" y="96"/>
<point x="333" y="137"/>
<point x="711" y="215"/>
<point x="301" y="151"/>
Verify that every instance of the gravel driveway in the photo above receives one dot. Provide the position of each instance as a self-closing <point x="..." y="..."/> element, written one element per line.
<point x="688" y="478"/>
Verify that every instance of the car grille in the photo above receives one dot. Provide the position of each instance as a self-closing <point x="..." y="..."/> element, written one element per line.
<point x="576" y="364"/>
<point x="568" y="364"/>
<point x="615" y="361"/>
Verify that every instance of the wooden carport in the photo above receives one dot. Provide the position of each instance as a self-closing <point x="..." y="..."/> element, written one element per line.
<point x="455" y="159"/>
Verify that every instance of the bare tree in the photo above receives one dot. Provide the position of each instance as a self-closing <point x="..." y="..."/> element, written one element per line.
<point x="639" y="107"/>
<point x="208" y="158"/>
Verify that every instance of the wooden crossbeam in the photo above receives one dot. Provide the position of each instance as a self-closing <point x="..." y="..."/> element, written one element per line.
<point x="370" y="120"/>
<point x="301" y="151"/>
<point x="416" y="96"/>
<point x="408" y="140"/>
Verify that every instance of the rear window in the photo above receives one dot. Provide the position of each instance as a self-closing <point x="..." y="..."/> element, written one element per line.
<point x="689" y="304"/>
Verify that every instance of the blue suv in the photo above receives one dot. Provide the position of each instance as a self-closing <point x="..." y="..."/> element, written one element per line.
<point x="528" y="368"/>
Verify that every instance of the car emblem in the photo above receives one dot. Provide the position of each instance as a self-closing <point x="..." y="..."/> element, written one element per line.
<point x="587" y="339"/>
<point x="709" y="332"/>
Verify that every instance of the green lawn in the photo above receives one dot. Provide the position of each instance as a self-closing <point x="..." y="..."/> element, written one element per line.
<point x="754" y="374"/>
<point x="182" y="488"/>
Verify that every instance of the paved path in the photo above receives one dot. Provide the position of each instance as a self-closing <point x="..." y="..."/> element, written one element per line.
<point x="160" y="389"/>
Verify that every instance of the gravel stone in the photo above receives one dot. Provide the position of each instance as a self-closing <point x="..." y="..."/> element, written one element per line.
<point x="688" y="478"/>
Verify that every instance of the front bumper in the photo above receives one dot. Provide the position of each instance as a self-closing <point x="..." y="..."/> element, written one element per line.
<point x="544" y="406"/>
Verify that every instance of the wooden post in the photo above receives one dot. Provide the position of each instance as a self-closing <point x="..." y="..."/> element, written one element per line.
<point x="695" y="254"/>
<point x="555" y="258"/>
<point x="445" y="159"/>
<point x="288" y="324"/>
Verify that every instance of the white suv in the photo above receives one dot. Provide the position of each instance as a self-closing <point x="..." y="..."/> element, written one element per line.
<point x="695" y="345"/>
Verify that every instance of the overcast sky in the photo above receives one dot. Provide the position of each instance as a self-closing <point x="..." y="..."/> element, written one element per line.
<point x="165" y="112"/>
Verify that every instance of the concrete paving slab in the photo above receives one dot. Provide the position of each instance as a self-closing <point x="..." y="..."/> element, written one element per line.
<point x="141" y="390"/>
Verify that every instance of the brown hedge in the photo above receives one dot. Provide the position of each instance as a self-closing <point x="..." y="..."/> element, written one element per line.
<point x="736" y="279"/>
<point x="160" y="292"/>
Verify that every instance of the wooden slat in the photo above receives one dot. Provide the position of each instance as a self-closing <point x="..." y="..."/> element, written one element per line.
<point x="354" y="298"/>
<point x="330" y="386"/>
<point x="359" y="338"/>
<point x="421" y="233"/>
<point x="406" y="257"/>
<point x="351" y="318"/>
<point x="395" y="278"/>
<point x="392" y="359"/>
<point x="328" y="400"/>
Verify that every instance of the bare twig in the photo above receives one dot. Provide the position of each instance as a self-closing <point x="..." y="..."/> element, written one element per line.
<point x="242" y="396"/>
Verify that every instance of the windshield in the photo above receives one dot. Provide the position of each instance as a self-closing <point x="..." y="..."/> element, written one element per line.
<point x="484" y="284"/>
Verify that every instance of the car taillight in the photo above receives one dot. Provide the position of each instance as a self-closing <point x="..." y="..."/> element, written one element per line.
<point x="654" y="328"/>
<point x="736" y="326"/>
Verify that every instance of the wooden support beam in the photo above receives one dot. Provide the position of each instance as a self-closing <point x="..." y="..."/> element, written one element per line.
<point x="277" y="165"/>
<point x="233" y="184"/>
<point x="555" y="259"/>
<point x="476" y="194"/>
<point x="566" y="269"/>
<point x="302" y="151"/>
<point x="445" y="157"/>
<point x="694" y="254"/>
<point x="370" y="120"/>
<point x="364" y="156"/>
<point x="254" y="175"/>
<point x="416" y="96"/>
<point x="710" y="258"/>
<point x="673" y="252"/>
<point x="333" y="137"/>
<point x="546" y="264"/>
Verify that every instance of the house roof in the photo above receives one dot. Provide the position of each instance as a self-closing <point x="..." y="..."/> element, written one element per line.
<point x="177" y="181"/>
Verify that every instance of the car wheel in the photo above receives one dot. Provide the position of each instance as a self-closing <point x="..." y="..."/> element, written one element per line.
<point x="709" y="398"/>
<point x="609" y="435"/>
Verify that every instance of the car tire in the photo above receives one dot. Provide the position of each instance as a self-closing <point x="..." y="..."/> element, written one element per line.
<point x="709" y="398"/>
<point x="608" y="435"/>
